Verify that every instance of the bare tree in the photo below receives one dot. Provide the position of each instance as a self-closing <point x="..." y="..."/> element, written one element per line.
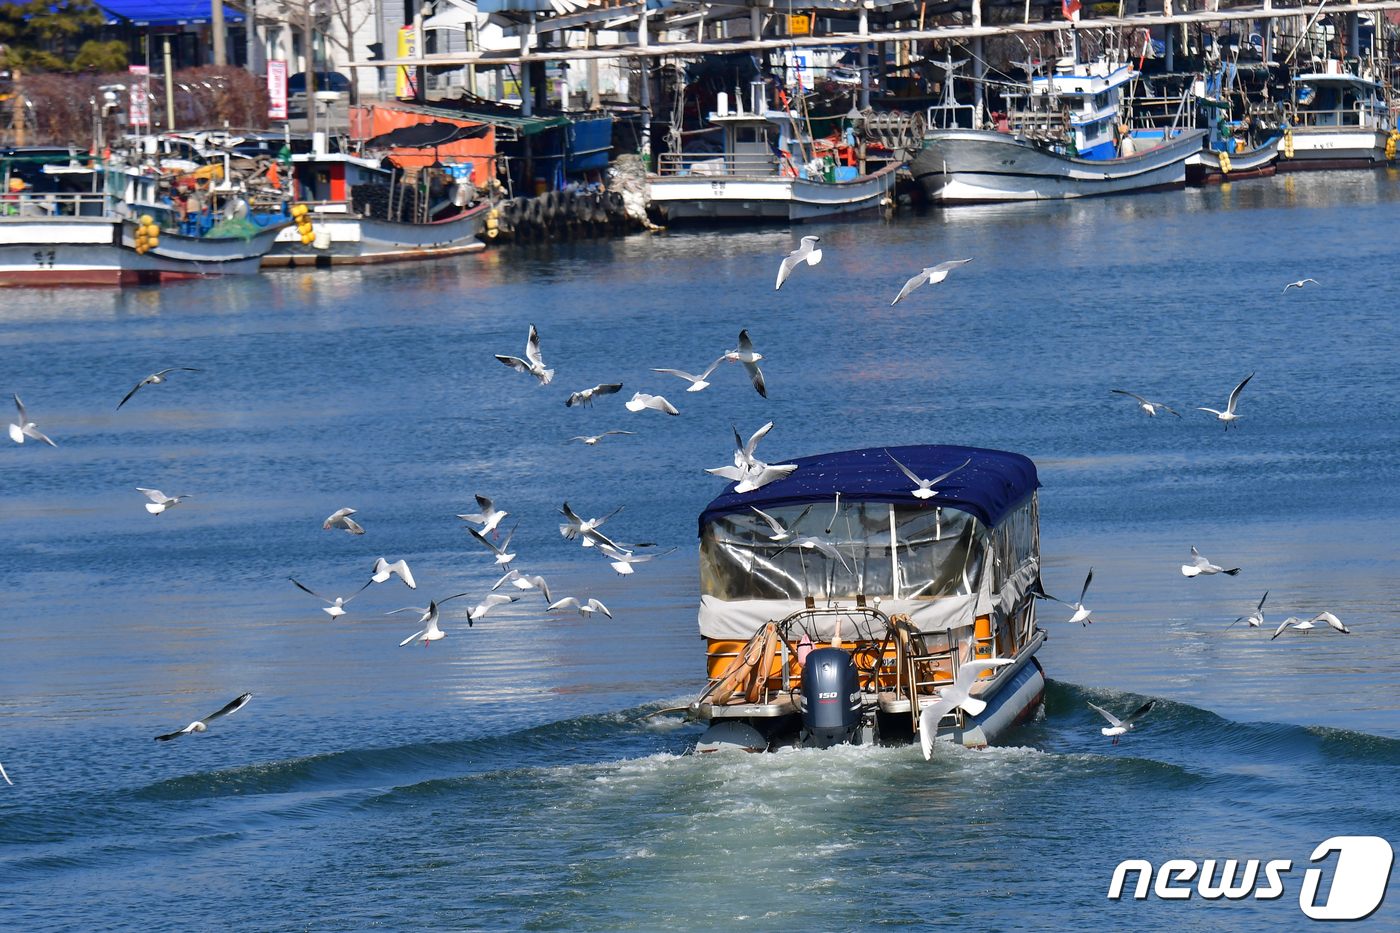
<point x="350" y="16"/>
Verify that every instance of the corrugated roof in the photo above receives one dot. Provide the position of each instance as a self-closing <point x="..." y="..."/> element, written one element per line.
<point x="166" y="12"/>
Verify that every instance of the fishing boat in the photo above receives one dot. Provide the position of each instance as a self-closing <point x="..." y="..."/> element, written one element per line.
<point x="770" y="168"/>
<point x="1231" y="150"/>
<point x="1064" y="141"/>
<point x="1215" y="166"/>
<point x="1337" y="121"/>
<point x="866" y="596"/>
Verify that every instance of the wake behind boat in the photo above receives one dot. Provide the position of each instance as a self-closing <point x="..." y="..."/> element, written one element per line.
<point x="873" y="603"/>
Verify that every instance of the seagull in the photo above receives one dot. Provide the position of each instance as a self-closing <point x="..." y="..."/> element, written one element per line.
<point x="488" y="517"/>
<point x="522" y="582"/>
<point x="26" y="428"/>
<point x="1145" y="405"/>
<point x="159" y="500"/>
<point x="383" y="570"/>
<point x="807" y="253"/>
<point x="431" y="632"/>
<point x="1119" y="727"/>
<point x="486" y="605"/>
<point x="641" y="400"/>
<point x="953" y="696"/>
<point x="577" y="526"/>
<point x="746" y="355"/>
<point x="154" y="380"/>
<point x="933" y="275"/>
<point x="202" y="725"/>
<point x="1228" y="414"/>
<point x="622" y="560"/>
<point x="342" y="519"/>
<point x="779" y="532"/>
<point x="1081" y="615"/>
<point x="748" y="472"/>
<point x="6" y="776"/>
<point x="336" y="609"/>
<point x="502" y="558"/>
<point x="587" y="396"/>
<point x="1293" y="621"/>
<point x="1199" y="565"/>
<point x="1331" y="620"/>
<point x="925" y="490"/>
<point x="696" y="382"/>
<point x="1299" y="284"/>
<point x="584" y="609"/>
<point x="593" y="439"/>
<point x="533" y="362"/>
<point x="810" y="543"/>
<point x="1255" y="618"/>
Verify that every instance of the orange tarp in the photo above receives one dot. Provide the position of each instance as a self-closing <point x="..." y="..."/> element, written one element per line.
<point x="366" y="122"/>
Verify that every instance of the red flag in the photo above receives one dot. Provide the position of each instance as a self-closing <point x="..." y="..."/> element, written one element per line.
<point x="1071" y="8"/>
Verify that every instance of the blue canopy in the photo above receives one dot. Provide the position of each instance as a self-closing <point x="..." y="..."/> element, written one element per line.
<point x="167" y="12"/>
<point x="987" y="487"/>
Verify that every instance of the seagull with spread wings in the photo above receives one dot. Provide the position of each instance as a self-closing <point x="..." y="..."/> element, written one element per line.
<point x="1145" y="405"/>
<point x="489" y="518"/>
<point x="202" y="725"/>
<point x="1199" y="565"/>
<point x="431" y="632"/>
<point x="954" y="696"/>
<point x="1228" y="415"/>
<point x="1255" y="618"/>
<point x="576" y="527"/>
<point x="932" y="275"/>
<point x="1299" y="284"/>
<point x="1081" y="615"/>
<point x="383" y="570"/>
<point x="593" y="439"/>
<point x="749" y="472"/>
<point x="341" y="519"/>
<point x="502" y="558"/>
<point x="587" y="396"/>
<point x="641" y="401"/>
<point x="584" y="609"/>
<point x="696" y="382"/>
<point x="1120" y="727"/>
<point x="533" y="362"/>
<point x="622" y="560"/>
<point x="926" y="490"/>
<point x="336" y="609"/>
<point x="780" y="533"/>
<point x="26" y="428"/>
<point x="524" y="582"/>
<point x="159" y="500"/>
<point x="155" y="380"/>
<point x="745" y="354"/>
<point x="806" y="252"/>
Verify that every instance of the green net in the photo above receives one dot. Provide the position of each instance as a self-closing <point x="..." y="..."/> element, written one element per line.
<point x="240" y="227"/>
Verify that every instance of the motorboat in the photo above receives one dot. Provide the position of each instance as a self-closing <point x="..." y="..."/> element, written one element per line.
<point x="840" y="601"/>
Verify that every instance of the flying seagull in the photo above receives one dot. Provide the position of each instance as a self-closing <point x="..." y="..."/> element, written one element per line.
<point x="486" y="605"/>
<point x="1117" y="727"/>
<point x="430" y="631"/>
<point x="932" y="275"/>
<point x="1299" y="284"/>
<point x="341" y="519"/>
<point x="1255" y="618"/>
<point x="533" y="362"/>
<point x="1081" y="615"/>
<point x="155" y="380"/>
<point x="622" y="560"/>
<point x="1331" y="620"/>
<point x="811" y="542"/>
<point x="6" y="776"/>
<point x="159" y="500"/>
<point x="640" y="401"/>
<point x="587" y="396"/>
<point x="25" y="428"/>
<point x="926" y="490"/>
<point x="745" y="354"/>
<point x="383" y="570"/>
<point x="1145" y="405"/>
<point x="576" y="526"/>
<point x="202" y="725"/>
<point x="523" y="582"/>
<point x="779" y="532"/>
<point x="1228" y="414"/>
<point x="590" y="440"/>
<point x="1199" y="565"/>
<point x="748" y="472"/>
<point x="1310" y="624"/>
<point x="336" y="609"/>
<point x="696" y="382"/>
<point x="807" y="252"/>
<point x="953" y="696"/>
<point x="488" y="517"/>
<point x="584" y="609"/>
<point x="502" y="558"/>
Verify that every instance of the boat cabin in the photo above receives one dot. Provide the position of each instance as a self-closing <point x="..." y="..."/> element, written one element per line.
<point x="1338" y="99"/>
<point x="1082" y="103"/>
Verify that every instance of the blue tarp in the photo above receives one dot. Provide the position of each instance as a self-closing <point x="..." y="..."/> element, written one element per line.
<point x="987" y="487"/>
<point x="588" y="144"/>
<point x="166" y="12"/>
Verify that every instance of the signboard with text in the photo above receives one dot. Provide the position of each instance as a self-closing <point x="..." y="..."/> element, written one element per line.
<point x="139" y="112"/>
<point x="276" y="90"/>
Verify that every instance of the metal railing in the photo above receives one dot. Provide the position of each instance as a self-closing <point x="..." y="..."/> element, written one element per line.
<point x="716" y="164"/>
<point x="53" y="205"/>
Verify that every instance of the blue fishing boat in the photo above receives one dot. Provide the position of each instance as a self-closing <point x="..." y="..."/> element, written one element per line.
<point x="840" y="602"/>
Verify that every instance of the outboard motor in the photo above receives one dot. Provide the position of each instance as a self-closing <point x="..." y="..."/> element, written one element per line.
<point x="831" y="702"/>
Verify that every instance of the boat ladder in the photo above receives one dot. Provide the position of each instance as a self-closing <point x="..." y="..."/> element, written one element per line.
<point x="920" y="670"/>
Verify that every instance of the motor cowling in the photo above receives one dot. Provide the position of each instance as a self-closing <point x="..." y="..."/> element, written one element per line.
<point x="831" y="701"/>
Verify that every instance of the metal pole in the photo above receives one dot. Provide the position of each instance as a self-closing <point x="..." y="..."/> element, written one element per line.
<point x="308" y="48"/>
<point x="755" y="23"/>
<point x="216" y="26"/>
<point x="527" y="97"/>
<point x="420" y="49"/>
<point x="595" y="94"/>
<point x="169" y="89"/>
<point x="643" y="41"/>
<point x="864" y="30"/>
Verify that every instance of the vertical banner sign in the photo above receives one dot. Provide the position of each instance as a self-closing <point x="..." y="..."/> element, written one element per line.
<point x="407" y="84"/>
<point x="276" y="90"/>
<point x="139" y="112"/>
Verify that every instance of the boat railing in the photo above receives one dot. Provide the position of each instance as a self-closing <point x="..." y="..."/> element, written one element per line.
<point x="53" y="204"/>
<point x="950" y="117"/>
<point x="717" y="164"/>
<point x="1362" y="113"/>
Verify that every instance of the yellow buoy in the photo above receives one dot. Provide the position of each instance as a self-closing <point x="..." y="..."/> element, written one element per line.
<point x="1225" y="163"/>
<point x="1288" y="144"/>
<point x="147" y="220"/>
<point x="1390" y="145"/>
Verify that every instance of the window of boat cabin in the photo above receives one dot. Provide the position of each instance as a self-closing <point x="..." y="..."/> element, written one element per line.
<point x="1015" y="541"/>
<point x="939" y="553"/>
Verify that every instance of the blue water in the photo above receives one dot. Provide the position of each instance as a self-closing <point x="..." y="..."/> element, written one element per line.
<point x="492" y="780"/>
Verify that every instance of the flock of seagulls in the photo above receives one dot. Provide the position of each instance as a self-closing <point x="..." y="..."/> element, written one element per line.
<point x="1229" y="416"/>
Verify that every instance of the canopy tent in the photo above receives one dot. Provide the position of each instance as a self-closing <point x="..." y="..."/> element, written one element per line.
<point x="987" y="488"/>
<point x="165" y="12"/>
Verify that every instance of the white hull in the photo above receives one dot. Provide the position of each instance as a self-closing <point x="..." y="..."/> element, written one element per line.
<point x="355" y="240"/>
<point x="981" y="166"/>
<point x="768" y="197"/>
<point x="1324" y="147"/>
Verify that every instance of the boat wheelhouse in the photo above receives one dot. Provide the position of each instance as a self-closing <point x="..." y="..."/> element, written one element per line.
<point x="1338" y="120"/>
<point x="908" y="589"/>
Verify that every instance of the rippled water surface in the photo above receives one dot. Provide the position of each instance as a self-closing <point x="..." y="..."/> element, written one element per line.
<point x="493" y="780"/>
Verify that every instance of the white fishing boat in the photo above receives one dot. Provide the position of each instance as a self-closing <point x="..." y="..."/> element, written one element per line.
<point x="872" y="602"/>
<point x="769" y="169"/>
<point x="1338" y="121"/>
<point x="1064" y="142"/>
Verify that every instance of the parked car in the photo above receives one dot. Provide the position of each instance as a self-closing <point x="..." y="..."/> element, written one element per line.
<point x="325" y="81"/>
